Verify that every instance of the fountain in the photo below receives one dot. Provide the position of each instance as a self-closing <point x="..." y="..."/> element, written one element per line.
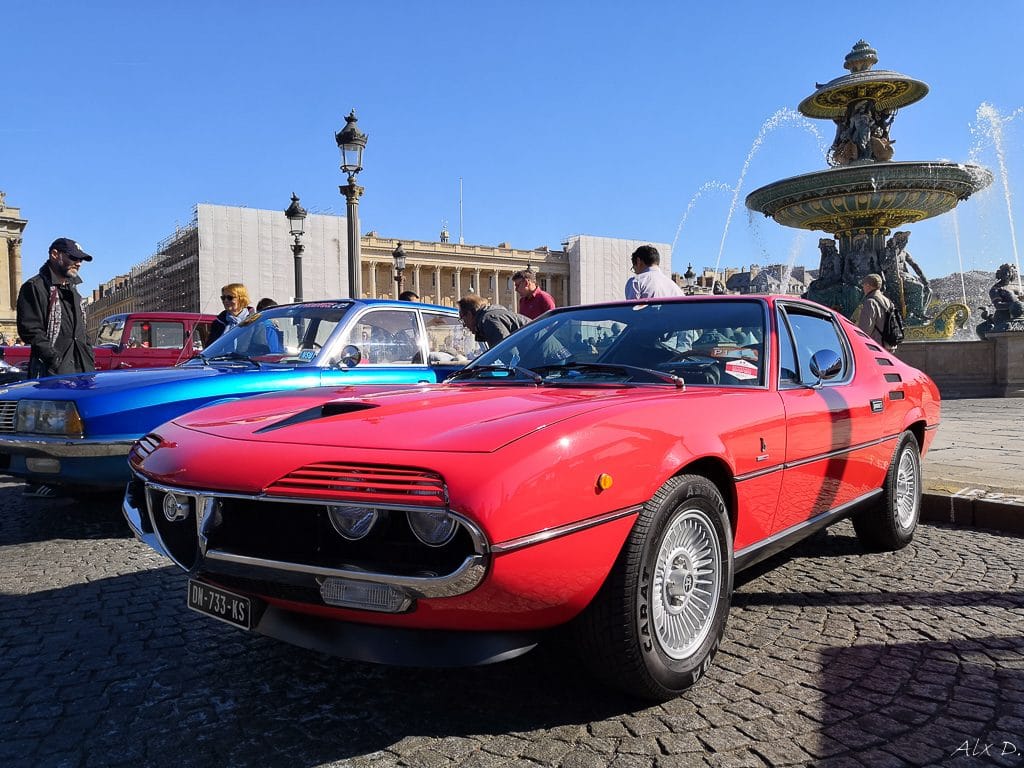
<point x="864" y="195"/>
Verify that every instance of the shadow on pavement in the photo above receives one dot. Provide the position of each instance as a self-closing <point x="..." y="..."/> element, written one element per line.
<point x="118" y="670"/>
<point x="24" y="520"/>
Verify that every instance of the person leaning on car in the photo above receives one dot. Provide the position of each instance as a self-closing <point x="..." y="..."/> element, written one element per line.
<point x="489" y="323"/>
<point x="50" y="317"/>
<point x="874" y="308"/>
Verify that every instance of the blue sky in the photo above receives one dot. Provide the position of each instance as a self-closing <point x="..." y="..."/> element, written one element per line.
<point x="560" y="117"/>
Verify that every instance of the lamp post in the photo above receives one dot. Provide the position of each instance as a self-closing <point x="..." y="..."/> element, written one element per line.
<point x="690" y="277"/>
<point x="399" y="256"/>
<point x="351" y="141"/>
<point x="296" y="215"/>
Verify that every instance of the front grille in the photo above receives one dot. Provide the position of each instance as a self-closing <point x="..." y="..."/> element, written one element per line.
<point x="180" y="537"/>
<point x="8" y="414"/>
<point x="363" y="482"/>
<point x="302" y="533"/>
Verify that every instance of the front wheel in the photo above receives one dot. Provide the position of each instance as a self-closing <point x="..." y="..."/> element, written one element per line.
<point x="890" y="525"/>
<point x="658" y="620"/>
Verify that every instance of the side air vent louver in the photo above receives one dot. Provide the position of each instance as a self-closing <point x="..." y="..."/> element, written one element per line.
<point x="142" y="448"/>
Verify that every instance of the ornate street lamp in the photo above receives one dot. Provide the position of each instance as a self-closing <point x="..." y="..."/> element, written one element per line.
<point x="296" y="215"/>
<point x="351" y="141"/>
<point x="690" y="277"/>
<point x="399" y="256"/>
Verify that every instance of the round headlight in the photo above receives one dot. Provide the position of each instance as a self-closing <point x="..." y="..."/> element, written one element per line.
<point x="435" y="528"/>
<point x="175" y="508"/>
<point x="352" y="523"/>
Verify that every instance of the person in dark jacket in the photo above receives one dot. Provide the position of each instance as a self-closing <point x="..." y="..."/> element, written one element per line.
<point x="50" y="317"/>
<point x="236" y="309"/>
<point x="489" y="323"/>
<point x="51" y="321"/>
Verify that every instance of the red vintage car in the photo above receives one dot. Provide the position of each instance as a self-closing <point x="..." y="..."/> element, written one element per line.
<point x="605" y="471"/>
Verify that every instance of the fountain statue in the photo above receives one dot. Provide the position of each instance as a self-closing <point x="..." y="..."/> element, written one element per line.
<point x="864" y="195"/>
<point x="1008" y="303"/>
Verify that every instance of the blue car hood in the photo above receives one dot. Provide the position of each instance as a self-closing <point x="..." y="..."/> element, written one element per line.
<point x="168" y="390"/>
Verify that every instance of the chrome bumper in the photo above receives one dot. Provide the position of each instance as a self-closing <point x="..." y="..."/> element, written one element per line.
<point x="463" y="579"/>
<point x="134" y="517"/>
<point x="64" y="447"/>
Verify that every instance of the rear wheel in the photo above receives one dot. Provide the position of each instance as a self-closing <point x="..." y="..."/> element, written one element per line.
<point x="891" y="524"/>
<point x="658" y="620"/>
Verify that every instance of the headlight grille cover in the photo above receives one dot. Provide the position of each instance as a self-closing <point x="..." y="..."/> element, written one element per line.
<point x="371" y="483"/>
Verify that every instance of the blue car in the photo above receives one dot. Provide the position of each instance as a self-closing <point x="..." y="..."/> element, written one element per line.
<point x="75" y="431"/>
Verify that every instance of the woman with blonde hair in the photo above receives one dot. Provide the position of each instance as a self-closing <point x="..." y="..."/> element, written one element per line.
<point x="236" y="309"/>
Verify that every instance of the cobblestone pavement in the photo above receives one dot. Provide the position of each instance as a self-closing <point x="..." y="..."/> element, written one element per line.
<point x="832" y="658"/>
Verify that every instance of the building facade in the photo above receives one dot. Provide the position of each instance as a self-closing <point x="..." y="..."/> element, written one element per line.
<point x="11" y="228"/>
<point x="228" y="244"/>
<point x="601" y="266"/>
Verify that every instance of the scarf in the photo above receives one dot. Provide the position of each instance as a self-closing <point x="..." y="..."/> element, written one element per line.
<point x="231" y="320"/>
<point x="54" y="316"/>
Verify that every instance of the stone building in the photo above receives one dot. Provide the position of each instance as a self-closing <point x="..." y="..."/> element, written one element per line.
<point x="113" y="297"/>
<point x="773" y="278"/>
<point x="11" y="228"/>
<point x="226" y="244"/>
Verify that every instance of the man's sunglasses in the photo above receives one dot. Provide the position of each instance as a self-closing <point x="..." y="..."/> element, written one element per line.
<point x="227" y="298"/>
<point x="76" y="259"/>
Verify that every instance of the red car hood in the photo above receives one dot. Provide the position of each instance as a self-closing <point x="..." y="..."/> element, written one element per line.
<point x="439" y="418"/>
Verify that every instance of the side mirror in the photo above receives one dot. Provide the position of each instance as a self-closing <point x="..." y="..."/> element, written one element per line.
<point x="350" y="356"/>
<point x="826" y="364"/>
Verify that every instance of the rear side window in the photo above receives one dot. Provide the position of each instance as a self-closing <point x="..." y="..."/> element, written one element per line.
<point x="802" y="333"/>
<point x="448" y="341"/>
<point x="157" y="334"/>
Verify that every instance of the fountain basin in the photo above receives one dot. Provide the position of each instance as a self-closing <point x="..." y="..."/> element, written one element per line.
<point x="869" y="195"/>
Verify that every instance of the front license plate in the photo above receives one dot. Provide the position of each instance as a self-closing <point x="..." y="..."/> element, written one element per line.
<point x="236" y="610"/>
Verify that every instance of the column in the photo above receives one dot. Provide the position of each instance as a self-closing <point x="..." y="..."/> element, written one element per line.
<point x="496" y="291"/>
<point x="16" y="266"/>
<point x="458" y="283"/>
<point x="437" y="285"/>
<point x="416" y="280"/>
<point x="6" y="273"/>
<point x="373" y="279"/>
<point x="476" y="282"/>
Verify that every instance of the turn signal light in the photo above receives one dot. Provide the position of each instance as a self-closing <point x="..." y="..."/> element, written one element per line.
<point x="604" y="481"/>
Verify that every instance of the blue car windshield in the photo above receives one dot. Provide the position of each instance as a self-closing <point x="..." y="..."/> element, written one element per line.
<point x="294" y="334"/>
<point x="702" y="342"/>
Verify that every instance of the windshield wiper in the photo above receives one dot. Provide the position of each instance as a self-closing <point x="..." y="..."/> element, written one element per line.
<point x="230" y="356"/>
<point x="645" y="374"/>
<point x="512" y="368"/>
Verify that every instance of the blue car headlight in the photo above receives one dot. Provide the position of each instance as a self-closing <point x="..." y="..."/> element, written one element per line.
<point x="48" y="417"/>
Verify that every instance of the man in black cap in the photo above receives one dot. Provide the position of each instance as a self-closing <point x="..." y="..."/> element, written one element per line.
<point x="50" y="317"/>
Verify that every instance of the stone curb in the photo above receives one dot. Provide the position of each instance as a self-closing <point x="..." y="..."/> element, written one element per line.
<point x="975" y="508"/>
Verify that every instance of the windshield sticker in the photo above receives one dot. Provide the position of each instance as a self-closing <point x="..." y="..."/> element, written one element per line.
<point x="307" y="354"/>
<point x="324" y="305"/>
<point x="741" y="369"/>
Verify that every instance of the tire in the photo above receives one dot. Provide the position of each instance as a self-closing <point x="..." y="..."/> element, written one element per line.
<point x="658" y="620"/>
<point x="890" y="525"/>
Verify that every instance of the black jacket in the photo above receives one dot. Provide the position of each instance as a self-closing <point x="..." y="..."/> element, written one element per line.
<point x="494" y="323"/>
<point x="72" y="353"/>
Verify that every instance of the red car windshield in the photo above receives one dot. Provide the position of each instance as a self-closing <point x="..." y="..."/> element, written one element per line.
<point x="701" y="342"/>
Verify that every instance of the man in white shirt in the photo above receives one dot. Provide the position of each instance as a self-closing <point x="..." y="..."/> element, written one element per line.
<point x="649" y="282"/>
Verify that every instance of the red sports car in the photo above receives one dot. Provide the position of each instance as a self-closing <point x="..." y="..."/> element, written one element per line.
<point x="605" y="470"/>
